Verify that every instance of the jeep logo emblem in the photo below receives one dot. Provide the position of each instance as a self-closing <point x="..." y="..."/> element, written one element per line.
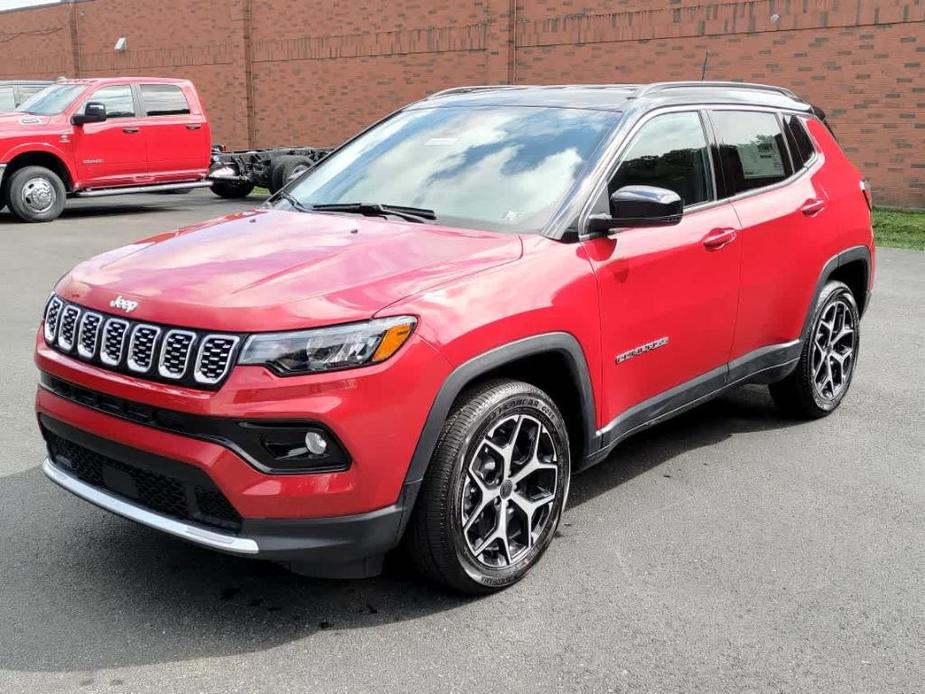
<point x="125" y="304"/>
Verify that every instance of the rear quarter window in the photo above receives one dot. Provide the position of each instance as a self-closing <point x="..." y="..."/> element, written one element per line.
<point x="752" y="149"/>
<point x="801" y="146"/>
<point x="164" y="100"/>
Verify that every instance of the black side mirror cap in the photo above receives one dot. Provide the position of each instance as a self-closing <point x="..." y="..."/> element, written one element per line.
<point x="94" y="112"/>
<point x="639" y="206"/>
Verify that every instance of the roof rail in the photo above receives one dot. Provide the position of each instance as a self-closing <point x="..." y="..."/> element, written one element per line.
<point x="662" y="86"/>
<point x="472" y="88"/>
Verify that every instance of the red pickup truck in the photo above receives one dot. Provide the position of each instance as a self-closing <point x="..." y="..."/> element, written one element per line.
<point x="92" y="137"/>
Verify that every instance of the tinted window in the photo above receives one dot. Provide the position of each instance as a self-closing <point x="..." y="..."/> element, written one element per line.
<point x="670" y="152"/>
<point x="7" y="102"/>
<point x="118" y="101"/>
<point x="801" y="147"/>
<point x="163" y="100"/>
<point x="752" y="149"/>
<point x="499" y="168"/>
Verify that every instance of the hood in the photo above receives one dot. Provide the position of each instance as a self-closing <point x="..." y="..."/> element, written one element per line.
<point x="15" y="121"/>
<point x="274" y="270"/>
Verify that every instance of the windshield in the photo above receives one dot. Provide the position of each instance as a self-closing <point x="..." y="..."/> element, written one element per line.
<point x="494" y="168"/>
<point x="52" y="100"/>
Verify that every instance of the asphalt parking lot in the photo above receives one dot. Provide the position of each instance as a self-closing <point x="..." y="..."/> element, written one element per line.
<point x="729" y="550"/>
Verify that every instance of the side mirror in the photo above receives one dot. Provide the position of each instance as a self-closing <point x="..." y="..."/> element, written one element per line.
<point x="94" y="112"/>
<point x="639" y="206"/>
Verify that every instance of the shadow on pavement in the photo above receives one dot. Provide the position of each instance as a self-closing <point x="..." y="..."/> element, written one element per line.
<point x="82" y="590"/>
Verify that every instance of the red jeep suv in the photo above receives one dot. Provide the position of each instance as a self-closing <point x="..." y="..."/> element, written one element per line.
<point x="421" y="339"/>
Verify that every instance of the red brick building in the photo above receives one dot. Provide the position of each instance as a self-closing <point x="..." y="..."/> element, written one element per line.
<point x="309" y="72"/>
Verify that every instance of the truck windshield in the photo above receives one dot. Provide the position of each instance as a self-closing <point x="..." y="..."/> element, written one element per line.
<point x="499" y="168"/>
<point x="52" y="100"/>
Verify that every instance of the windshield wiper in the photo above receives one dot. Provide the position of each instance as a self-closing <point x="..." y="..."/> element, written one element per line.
<point x="292" y="201"/>
<point x="374" y="209"/>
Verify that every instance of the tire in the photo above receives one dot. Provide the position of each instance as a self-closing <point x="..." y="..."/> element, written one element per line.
<point x="467" y="483"/>
<point x="35" y="194"/>
<point x="286" y="168"/>
<point x="232" y="190"/>
<point x="823" y="375"/>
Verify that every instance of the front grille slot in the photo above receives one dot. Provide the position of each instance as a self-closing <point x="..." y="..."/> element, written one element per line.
<point x="89" y="333"/>
<point x="200" y="502"/>
<point x="52" y="314"/>
<point x="191" y="358"/>
<point x="68" y="327"/>
<point x="214" y="358"/>
<point x="175" y="353"/>
<point x="141" y="347"/>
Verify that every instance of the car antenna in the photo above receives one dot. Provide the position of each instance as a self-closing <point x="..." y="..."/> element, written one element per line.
<point x="703" y="72"/>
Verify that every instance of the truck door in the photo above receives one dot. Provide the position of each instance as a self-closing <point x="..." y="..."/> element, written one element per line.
<point x="177" y="133"/>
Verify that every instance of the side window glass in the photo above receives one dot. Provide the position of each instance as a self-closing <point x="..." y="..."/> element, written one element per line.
<point x="164" y="100"/>
<point x="7" y="100"/>
<point x="752" y="149"/>
<point x="669" y="151"/>
<point x="801" y="146"/>
<point x="118" y="101"/>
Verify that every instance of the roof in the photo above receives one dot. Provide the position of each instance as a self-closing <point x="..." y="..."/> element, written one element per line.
<point x="24" y="82"/>
<point x="126" y="78"/>
<point x="619" y="97"/>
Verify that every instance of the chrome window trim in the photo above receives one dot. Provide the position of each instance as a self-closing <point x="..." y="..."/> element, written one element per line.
<point x="62" y="343"/>
<point x="160" y="362"/>
<point x="103" y="356"/>
<point x="96" y="340"/>
<point x="197" y="369"/>
<point x="129" y="361"/>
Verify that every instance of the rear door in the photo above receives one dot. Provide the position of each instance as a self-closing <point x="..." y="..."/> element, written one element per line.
<point x="111" y="153"/>
<point x="177" y="133"/>
<point x="668" y="294"/>
<point x="783" y="216"/>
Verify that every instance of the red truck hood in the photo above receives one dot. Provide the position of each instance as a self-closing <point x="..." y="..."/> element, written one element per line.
<point x="273" y="270"/>
<point x="15" y="122"/>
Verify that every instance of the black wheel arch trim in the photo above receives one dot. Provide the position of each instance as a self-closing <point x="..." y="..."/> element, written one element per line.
<point x="561" y="343"/>
<point x="838" y="260"/>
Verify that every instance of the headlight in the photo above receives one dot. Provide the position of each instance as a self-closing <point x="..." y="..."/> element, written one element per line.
<point x="329" y="349"/>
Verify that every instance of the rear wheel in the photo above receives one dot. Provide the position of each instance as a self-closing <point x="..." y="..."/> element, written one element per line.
<point x="823" y="375"/>
<point x="494" y="491"/>
<point x="35" y="194"/>
<point x="232" y="190"/>
<point x="288" y="168"/>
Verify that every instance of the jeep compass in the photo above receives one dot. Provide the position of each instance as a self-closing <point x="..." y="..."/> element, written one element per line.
<point x="420" y="340"/>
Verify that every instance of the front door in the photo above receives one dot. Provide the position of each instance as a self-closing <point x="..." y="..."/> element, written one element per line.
<point x="111" y="153"/>
<point x="668" y="294"/>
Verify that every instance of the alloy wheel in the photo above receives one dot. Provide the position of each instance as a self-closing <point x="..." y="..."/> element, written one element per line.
<point x="833" y="350"/>
<point x="509" y="490"/>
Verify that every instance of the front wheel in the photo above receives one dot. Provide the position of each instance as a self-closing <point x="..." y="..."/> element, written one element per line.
<point x="35" y="194"/>
<point x="493" y="494"/>
<point x="821" y="379"/>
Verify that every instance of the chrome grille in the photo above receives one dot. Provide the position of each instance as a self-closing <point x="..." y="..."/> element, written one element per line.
<point x="52" y="314"/>
<point x="89" y="334"/>
<point x="175" y="352"/>
<point x="214" y="358"/>
<point x="68" y="327"/>
<point x="113" y="341"/>
<point x="141" y="347"/>
<point x="189" y="357"/>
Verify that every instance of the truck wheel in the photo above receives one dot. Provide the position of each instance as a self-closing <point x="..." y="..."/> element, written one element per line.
<point x="494" y="490"/>
<point x="287" y="168"/>
<point x="822" y="377"/>
<point x="232" y="190"/>
<point x="36" y="194"/>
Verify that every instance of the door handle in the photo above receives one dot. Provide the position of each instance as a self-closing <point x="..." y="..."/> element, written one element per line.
<point x="718" y="238"/>
<point x="813" y="206"/>
<point x="193" y="126"/>
<point x="130" y="131"/>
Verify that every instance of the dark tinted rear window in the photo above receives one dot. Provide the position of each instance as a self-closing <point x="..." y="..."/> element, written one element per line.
<point x="752" y="149"/>
<point x="801" y="147"/>
<point x="164" y="100"/>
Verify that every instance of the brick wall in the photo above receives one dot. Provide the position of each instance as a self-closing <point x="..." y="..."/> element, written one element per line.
<point x="311" y="72"/>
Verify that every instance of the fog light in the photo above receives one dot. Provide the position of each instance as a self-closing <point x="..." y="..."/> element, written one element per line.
<point x="315" y="443"/>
